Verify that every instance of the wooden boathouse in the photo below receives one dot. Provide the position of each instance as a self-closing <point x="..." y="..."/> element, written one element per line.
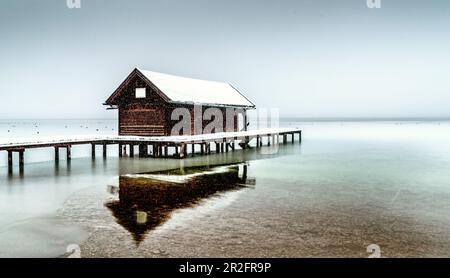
<point x="146" y="100"/>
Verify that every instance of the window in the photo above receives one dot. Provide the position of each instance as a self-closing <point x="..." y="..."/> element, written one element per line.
<point x="140" y="93"/>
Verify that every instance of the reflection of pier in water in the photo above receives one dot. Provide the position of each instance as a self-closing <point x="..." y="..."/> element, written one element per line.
<point x="147" y="200"/>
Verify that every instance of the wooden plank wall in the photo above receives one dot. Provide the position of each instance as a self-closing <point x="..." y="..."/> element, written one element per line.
<point x="151" y="116"/>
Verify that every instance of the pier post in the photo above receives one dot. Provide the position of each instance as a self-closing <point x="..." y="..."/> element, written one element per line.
<point x="217" y="147"/>
<point x="131" y="150"/>
<point x="10" y="161"/>
<point x="300" y="137"/>
<point x="221" y="147"/>
<point x="268" y="139"/>
<point x="143" y="150"/>
<point x="69" y="152"/>
<point x="244" y="174"/>
<point x="284" y="138"/>
<point x="120" y="150"/>
<point x="202" y="148"/>
<point x="193" y="148"/>
<point x="293" y="138"/>
<point x="227" y="147"/>
<point x="56" y="153"/>
<point x="258" y="138"/>
<point x="185" y="150"/>
<point x="93" y="151"/>
<point x="166" y="151"/>
<point x="21" y="161"/>
<point x="155" y="150"/>
<point x="105" y="150"/>
<point x="177" y="153"/>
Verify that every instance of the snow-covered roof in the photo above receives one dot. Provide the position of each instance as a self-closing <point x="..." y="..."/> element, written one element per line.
<point x="179" y="89"/>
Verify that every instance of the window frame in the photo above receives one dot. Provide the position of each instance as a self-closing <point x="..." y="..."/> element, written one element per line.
<point x="140" y="92"/>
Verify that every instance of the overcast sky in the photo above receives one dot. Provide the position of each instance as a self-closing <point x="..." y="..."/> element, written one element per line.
<point x="308" y="58"/>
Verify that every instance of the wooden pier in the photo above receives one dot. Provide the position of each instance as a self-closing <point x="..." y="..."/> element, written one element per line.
<point x="156" y="147"/>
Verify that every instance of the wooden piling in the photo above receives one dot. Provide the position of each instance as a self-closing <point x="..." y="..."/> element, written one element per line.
<point x="244" y="174"/>
<point x="21" y="161"/>
<point x="93" y="150"/>
<point x="10" y="161"/>
<point x="184" y="150"/>
<point x="120" y="150"/>
<point x="69" y="152"/>
<point x="105" y="150"/>
<point x="131" y="150"/>
<point x="142" y="150"/>
<point x="56" y="153"/>
<point x="217" y="147"/>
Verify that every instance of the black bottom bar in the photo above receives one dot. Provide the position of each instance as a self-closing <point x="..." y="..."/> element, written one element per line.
<point x="228" y="267"/>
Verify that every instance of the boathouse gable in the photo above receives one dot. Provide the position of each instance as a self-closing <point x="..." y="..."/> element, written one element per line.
<point x="140" y="114"/>
<point x="128" y="93"/>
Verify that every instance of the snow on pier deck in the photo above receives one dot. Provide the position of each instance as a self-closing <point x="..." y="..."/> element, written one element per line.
<point x="160" y="144"/>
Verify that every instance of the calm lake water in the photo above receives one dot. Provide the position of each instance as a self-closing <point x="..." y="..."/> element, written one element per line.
<point x="346" y="186"/>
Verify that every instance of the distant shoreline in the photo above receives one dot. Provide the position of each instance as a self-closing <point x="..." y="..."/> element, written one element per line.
<point x="367" y="119"/>
<point x="282" y="119"/>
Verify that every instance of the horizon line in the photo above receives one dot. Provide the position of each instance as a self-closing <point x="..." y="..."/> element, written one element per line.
<point x="303" y="118"/>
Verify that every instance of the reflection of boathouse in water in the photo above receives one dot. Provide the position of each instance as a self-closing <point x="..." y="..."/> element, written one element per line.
<point x="147" y="200"/>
